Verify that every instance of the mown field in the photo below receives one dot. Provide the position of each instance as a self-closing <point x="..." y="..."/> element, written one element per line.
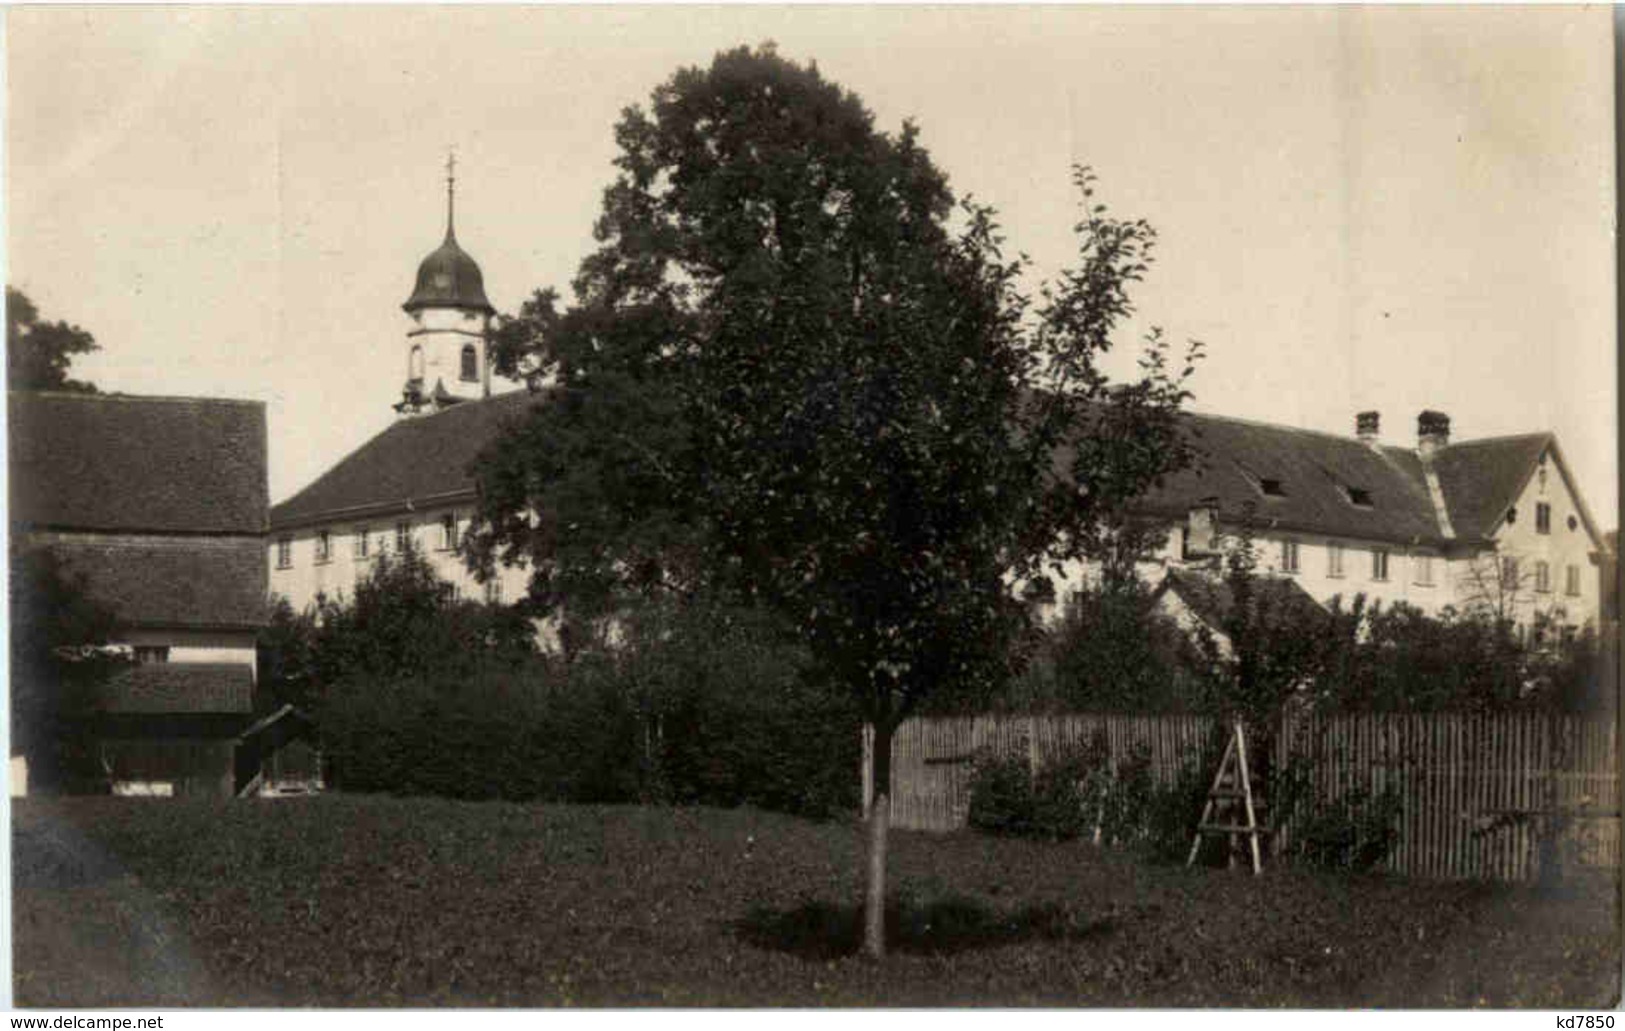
<point x="371" y="901"/>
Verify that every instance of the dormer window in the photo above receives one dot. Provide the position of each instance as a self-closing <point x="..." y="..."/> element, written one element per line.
<point x="471" y="364"/>
<point x="1360" y="497"/>
<point x="1271" y="487"/>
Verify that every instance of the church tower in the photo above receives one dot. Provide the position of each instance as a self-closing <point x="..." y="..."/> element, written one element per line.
<point x="447" y="352"/>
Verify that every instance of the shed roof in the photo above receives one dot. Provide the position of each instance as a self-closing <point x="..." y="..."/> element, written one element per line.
<point x="162" y="581"/>
<point x="119" y="462"/>
<point x="176" y="687"/>
<point x="1212" y="600"/>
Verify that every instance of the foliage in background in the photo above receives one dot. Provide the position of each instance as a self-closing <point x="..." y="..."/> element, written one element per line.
<point x="1083" y="793"/>
<point x="1110" y="651"/>
<point x="417" y="693"/>
<point x="39" y="354"/>
<point x="58" y="638"/>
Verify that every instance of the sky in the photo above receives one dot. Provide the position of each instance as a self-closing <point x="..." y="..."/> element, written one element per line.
<point x="1359" y="208"/>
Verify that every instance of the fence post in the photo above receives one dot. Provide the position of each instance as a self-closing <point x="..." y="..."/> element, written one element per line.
<point x="868" y="768"/>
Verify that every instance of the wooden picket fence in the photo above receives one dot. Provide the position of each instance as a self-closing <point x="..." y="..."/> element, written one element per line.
<point x="1474" y="791"/>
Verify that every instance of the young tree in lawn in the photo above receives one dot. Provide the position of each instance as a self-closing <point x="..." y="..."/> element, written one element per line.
<point x="788" y="381"/>
<point x="38" y="354"/>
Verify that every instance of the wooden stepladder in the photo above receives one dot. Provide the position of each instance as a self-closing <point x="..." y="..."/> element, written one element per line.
<point x="1230" y="807"/>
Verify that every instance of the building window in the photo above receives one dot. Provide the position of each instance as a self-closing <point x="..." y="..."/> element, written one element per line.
<point x="448" y="594"/>
<point x="493" y="592"/>
<point x="1543" y="577"/>
<point x="1379" y="563"/>
<point x="284" y="552"/>
<point x="1289" y="556"/>
<point x="324" y="547"/>
<point x="147" y="654"/>
<point x="448" y="532"/>
<point x="403" y="537"/>
<point x="1334" y="559"/>
<point x="1424" y="570"/>
<point x="1359" y="496"/>
<point x="1543" y="517"/>
<point x="414" y="362"/>
<point x="1271" y="487"/>
<point x="1571" y="581"/>
<point x="471" y="364"/>
<point x="1509" y="572"/>
<point x="361" y="542"/>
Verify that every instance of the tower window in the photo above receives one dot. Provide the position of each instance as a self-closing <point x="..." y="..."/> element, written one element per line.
<point x="414" y="362"/>
<point x="471" y="364"/>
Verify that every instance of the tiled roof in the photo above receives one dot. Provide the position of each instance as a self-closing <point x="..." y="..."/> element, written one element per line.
<point x="1480" y="478"/>
<point x="1313" y="474"/>
<point x="176" y="687"/>
<point x="171" y="581"/>
<point x="1295" y="479"/>
<point x="414" y="459"/>
<point x="1211" y="599"/>
<point x="125" y="463"/>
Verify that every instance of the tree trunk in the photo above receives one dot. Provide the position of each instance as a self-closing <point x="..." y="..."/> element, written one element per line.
<point x="874" y="896"/>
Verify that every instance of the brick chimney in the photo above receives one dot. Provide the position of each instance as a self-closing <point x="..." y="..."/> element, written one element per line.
<point x="1432" y="432"/>
<point x="1365" y="427"/>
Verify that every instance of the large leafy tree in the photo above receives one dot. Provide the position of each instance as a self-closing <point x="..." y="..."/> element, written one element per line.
<point x="39" y="353"/>
<point x="795" y="375"/>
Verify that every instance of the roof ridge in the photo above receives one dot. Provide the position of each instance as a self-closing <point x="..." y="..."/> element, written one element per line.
<point x="80" y="395"/>
<point x="1502" y="439"/>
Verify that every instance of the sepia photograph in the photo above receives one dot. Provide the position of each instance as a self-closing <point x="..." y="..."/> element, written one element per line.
<point x="649" y="507"/>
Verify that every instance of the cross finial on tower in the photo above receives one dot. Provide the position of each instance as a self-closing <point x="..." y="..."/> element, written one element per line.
<point x="451" y="192"/>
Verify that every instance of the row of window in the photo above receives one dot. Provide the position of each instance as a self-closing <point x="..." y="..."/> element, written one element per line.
<point x="1422" y="566"/>
<point x="362" y="543"/>
<point x="1510" y="578"/>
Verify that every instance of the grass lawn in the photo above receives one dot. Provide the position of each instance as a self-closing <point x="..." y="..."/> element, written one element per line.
<point x="353" y="900"/>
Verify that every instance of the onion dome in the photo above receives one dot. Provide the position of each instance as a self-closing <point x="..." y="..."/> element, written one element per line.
<point x="448" y="277"/>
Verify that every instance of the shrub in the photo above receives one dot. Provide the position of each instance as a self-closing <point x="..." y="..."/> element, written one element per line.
<point x="690" y="708"/>
<point x="1081" y="790"/>
<point x="1001" y="796"/>
<point x="1356" y="830"/>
